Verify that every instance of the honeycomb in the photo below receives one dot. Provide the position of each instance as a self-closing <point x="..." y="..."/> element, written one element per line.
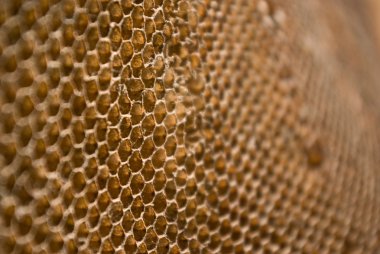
<point x="178" y="126"/>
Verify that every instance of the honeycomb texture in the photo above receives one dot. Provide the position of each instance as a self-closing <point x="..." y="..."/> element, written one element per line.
<point x="181" y="126"/>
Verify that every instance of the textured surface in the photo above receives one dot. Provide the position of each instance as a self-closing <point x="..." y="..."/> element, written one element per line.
<point x="164" y="126"/>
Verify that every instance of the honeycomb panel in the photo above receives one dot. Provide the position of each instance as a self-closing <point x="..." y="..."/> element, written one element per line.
<point x="177" y="126"/>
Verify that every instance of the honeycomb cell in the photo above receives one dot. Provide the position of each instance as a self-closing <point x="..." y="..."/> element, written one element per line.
<point x="127" y="27"/>
<point x="159" y="135"/>
<point x="103" y="154"/>
<point x="91" y="192"/>
<point x="130" y="245"/>
<point x="136" y="137"/>
<point x="158" y="158"/>
<point x="147" y="171"/>
<point x="149" y="215"/>
<point x="103" y="201"/>
<point x="82" y="231"/>
<point x="137" y="184"/>
<point x="56" y="214"/>
<point x="79" y="181"/>
<point x="160" y="225"/>
<point x="147" y="148"/>
<point x="114" y="115"/>
<point x="138" y="17"/>
<point x="137" y="63"/>
<point x="10" y="63"/>
<point x="101" y="129"/>
<point x="107" y="247"/>
<point x="113" y="139"/>
<point x="25" y="224"/>
<point x="114" y="187"/>
<point x="94" y="241"/>
<point x="151" y="239"/>
<point x="117" y="65"/>
<point x="148" y="124"/>
<point x="26" y="106"/>
<point x="55" y="242"/>
<point x="135" y="87"/>
<point x="124" y="174"/>
<point x="105" y="226"/>
<point x="139" y="230"/>
<point x="67" y="64"/>
<point x="91" y="144"/>
<point x="170" y="123"/>
<point x="126" y="197"/>
<point x="81" y="208"/>
<point x="159" y="20"/>
<point x="170" y="146"/>
<point x="138" y="40"/>
<point x="42" y="231"/>
<point x="137" y="207"/>
<point x="159" y="203"/>
<point x="117" y="236"/>
<point x="91" y="168"/>
<point x="137" y="113"/>
<point x="26" y="248"/>
<point x="148" y="56"/>
<point x="104" y="78"/>
<point x="115" y="11"/>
